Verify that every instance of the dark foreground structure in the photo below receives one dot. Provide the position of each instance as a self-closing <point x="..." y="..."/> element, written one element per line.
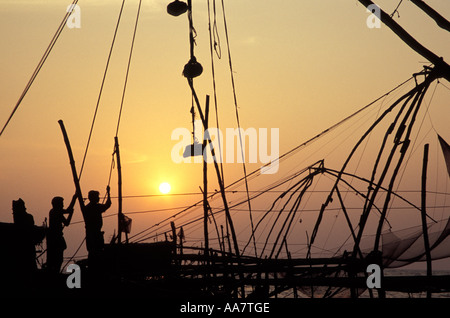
<point x="169" y="269"/>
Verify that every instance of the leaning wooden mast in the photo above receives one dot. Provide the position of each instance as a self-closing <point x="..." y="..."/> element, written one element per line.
<point x="76" y="180"/>
<point x="442" y="67"/>
<point x="120" y="215"/>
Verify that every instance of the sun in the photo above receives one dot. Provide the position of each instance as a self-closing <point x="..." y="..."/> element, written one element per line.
<point x="164" y="188"/>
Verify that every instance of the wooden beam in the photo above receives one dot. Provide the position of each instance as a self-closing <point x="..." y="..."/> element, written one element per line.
<point x="442" y="67"/>
<point x="119" y="172"/>
<point x="174" y="234"/>
<point x="439" y="19"/>
<point x="216" y="166"/>
<point x="424" y="214"/>
<point x="72" y="165"/>
<point x="205" y="179"/>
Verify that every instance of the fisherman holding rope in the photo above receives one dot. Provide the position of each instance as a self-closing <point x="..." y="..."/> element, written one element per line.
<point x="56" y="243"/>
<point x="92" y="214"/>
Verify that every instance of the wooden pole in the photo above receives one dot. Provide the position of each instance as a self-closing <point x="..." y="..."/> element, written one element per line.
<point x="214" y="220"/>
<point x="443" y="67"/>
<point x="219" y="177"/>
<point x="221" y="185"/>
<point x="119" y="171"/>
<point x="72" y="165"/>
<point x="424" y="214"/>
<point x="341" y="172"/>
<point x="191" y="29"/>
<point x="405" y="143"/>
<point x="439" y="19"/>
<point x="174" y="234"/>
<point x="205" y="179"/>
<point x="346" y="215"/>
<point x="223" y="240"/>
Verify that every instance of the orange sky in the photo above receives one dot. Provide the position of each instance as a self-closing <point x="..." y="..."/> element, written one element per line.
<point x="299" y="66"/>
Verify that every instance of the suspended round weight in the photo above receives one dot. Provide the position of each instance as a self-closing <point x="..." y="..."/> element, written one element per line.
<point x="177" y="8"/>
<point x="192" y="68"/>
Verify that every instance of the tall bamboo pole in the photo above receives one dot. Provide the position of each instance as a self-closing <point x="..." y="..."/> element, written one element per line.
<point x="119" y="172"/>
<point x="219" y="177"/>
<point x="424" y="214"/>
<point x="205" y="180"/>
<point x="439" y="63"/>
<point x="72" y="165"/>
<point x="439" y="19"/>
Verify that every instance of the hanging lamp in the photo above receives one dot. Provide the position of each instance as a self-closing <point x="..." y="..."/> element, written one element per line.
<point x="177" y="8"/>
<point x="193" y="150"/>
<point x="192" y="68"/>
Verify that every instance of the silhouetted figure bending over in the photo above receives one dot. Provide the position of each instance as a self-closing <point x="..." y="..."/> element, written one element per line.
<point x="92" y="214"/>
<point x="24" y="251"/>
<point x="56" y="244"/>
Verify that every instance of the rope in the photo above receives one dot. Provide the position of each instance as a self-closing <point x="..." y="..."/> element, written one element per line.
<point x="217" y="47"/>
<point x="211" y="34"/>
<point x="72" y="257"/>
<point x="101" y="90"/>
<point x="128" y="67"/>
<point x="99" y="97"/>
<point x="192" y="31"/>
<point x="415" y="140"/>
<point x="239" y="124"/>
<point x="40" y="64"/>
<point x="255" y="172"/>
<point x="124" y="90"/>
<point x="396" y="9"/>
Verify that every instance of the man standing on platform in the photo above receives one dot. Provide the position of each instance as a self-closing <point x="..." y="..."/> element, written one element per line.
<point x="92" y="214"/>
<point x="56" y="243"/>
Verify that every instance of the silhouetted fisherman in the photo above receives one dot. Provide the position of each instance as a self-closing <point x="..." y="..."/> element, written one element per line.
<point x="92" y="214"/>
<point x="56" y="244"/>
<point x="24" y="243"/>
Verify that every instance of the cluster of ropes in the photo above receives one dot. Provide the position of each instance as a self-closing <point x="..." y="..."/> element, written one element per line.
<point x="99" y="99"/>
<point x="189" y="216"/>
<point x="298" y="183"/>
<point x="277" y="222"/>
<point x="195" y="69"/>
<point x="41" y="63"/>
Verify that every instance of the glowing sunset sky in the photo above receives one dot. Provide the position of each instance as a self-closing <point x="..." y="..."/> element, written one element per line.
<point x="299" y="66"/>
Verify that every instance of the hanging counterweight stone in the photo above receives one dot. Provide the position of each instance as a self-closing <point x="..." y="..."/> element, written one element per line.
<point x="177" y="8"/>
<point x="192" y="68"/>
